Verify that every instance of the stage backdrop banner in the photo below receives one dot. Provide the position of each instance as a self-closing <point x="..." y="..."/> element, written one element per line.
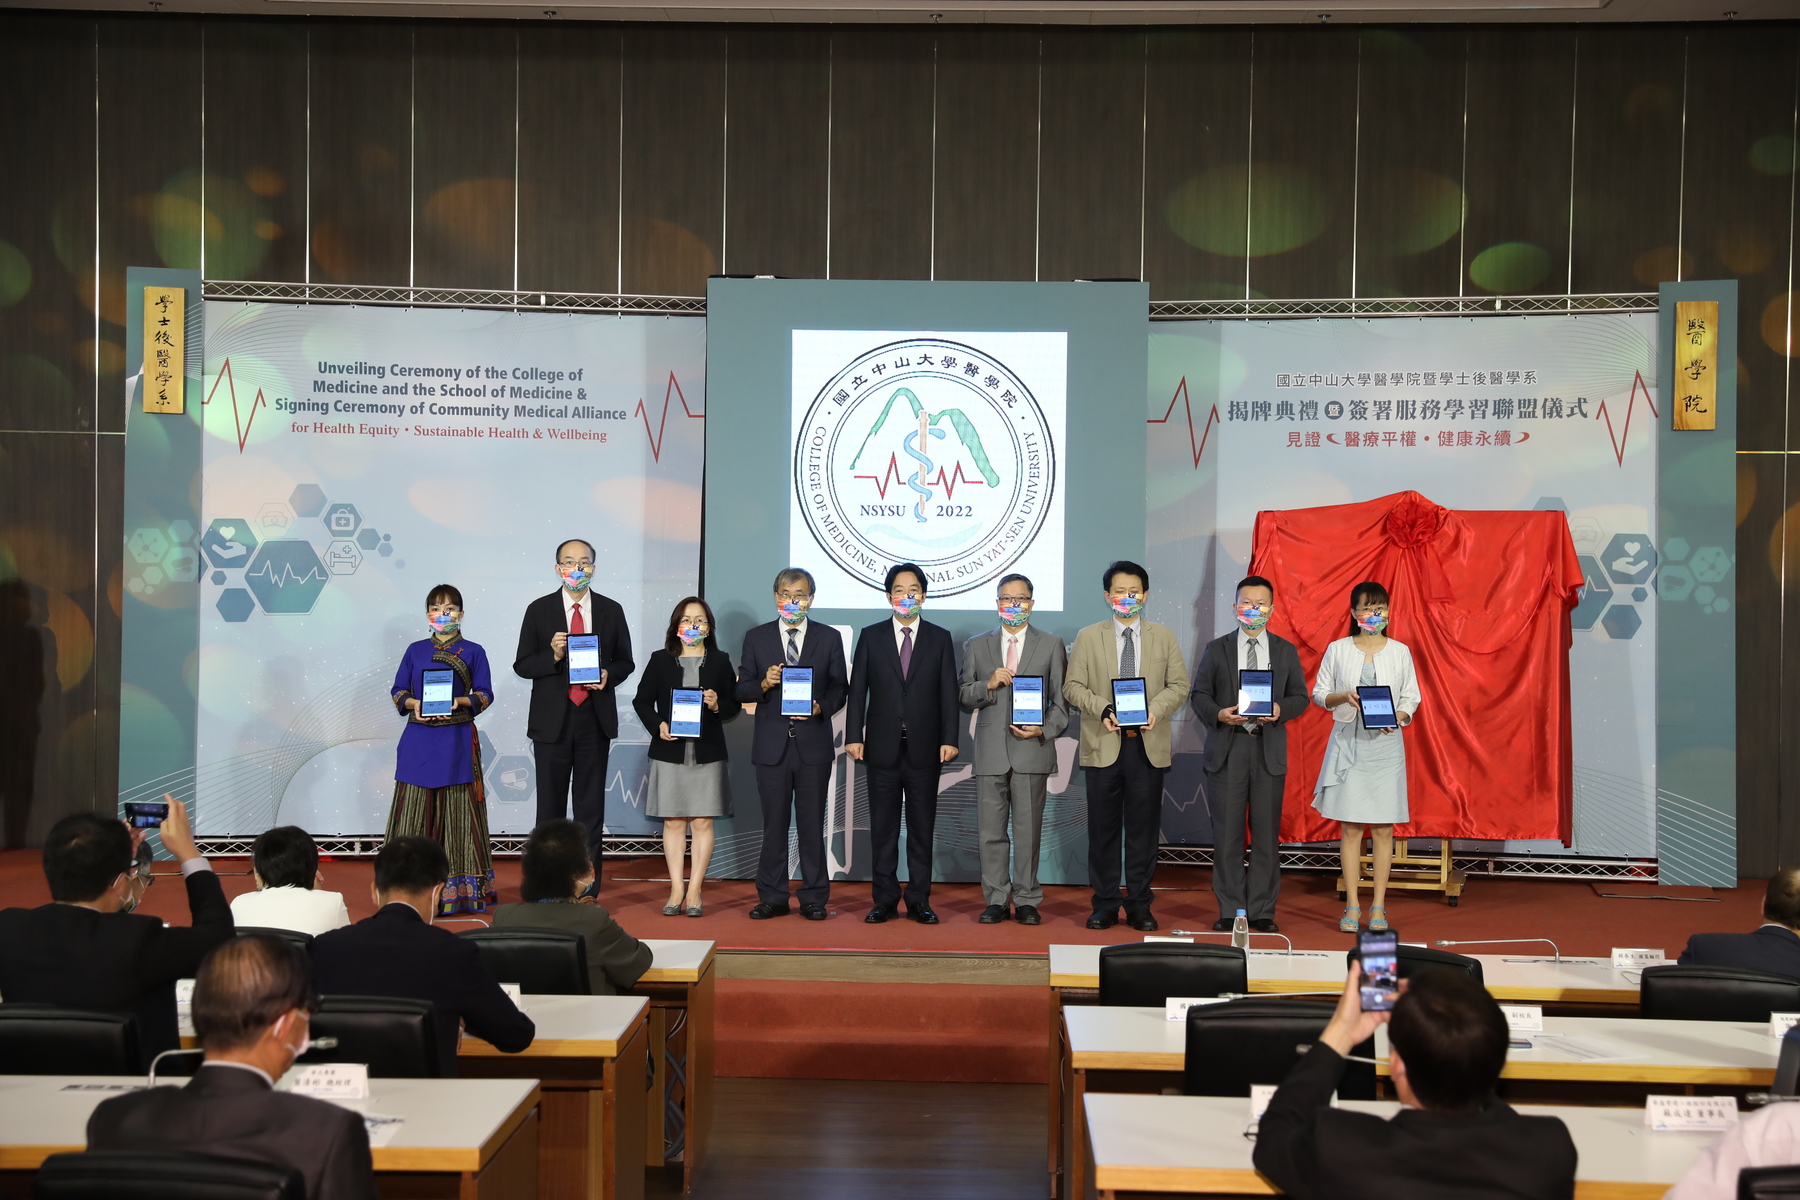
<point x="1557" y="413"/>
<point x="354" y="458"/>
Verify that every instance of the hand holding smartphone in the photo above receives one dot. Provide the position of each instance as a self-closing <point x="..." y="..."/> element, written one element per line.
<point x="145" y="816"/>
<point x="1380" y="955"/>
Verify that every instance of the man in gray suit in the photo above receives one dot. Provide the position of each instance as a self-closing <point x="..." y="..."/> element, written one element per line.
<point x="1013" y="763"/>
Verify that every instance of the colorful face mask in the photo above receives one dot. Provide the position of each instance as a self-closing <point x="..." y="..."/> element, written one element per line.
<point x="905" y="606"/>
<point x="1373" y="622"/>
<point x="1129" y="605"/>
<point x="1013" y="614"/>
<point x="691" y="635"/>
<point x="793" y="611"/>
<point x="1254" y="617"/>
<point x="576" y="579"/>
<point x="444" y="623"/>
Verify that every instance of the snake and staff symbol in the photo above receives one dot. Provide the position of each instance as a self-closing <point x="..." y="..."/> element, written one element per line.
<point x="916" y="444"/>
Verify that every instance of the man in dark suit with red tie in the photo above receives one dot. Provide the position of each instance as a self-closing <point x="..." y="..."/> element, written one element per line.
<point x="902" y="727"/>
<point x="572" y="726"/>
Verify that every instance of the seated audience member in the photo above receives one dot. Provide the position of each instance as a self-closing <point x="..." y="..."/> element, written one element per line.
<point x="1768" y="1137"/>
<point x="286" y="863"/>
<point x="398" y="952"/>
<point x="86" y="949"/>
<point x="557" y="869"/>
<point x="1447" y="1044"/>
<point x="252" y="998"/>
<point x="1773" y="947"/>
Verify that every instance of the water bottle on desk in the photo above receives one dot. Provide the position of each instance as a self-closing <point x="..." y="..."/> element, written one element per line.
<point x="1240" y="931"/>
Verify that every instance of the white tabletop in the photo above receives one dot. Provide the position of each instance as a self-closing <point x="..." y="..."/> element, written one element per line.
<point x="1197" y="1143"/>
<point x="677" y="961"/>
<point x="449" y="1124"/>
<point x="1510" y="977"/>
<point x="571" y="1026"/>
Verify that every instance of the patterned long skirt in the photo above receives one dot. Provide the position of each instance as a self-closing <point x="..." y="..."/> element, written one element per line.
<point x="454" y="817"/>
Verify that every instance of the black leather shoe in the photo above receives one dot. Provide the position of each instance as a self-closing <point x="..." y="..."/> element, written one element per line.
<point x="764" y="911"/>
<point x="922" y="914"/>
<point x="813" y="912"/>
<point x="1222" y="925"/>
<point x="1143" y="922"/>
<point x="1105" y="920"/>
<point x="1265" y="926"/>
<point x="879" y="914"/>
<point x="1025" y="914"/>
<point x="993" y="914"/>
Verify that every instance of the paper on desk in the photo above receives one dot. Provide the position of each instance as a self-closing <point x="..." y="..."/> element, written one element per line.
<point x="1582" y="1048"/>
<point x="381" y="1129"/>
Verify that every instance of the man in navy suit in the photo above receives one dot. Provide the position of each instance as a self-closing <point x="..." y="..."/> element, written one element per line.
<point x="1774" y="947"/>
<point x="792" y="755"/>
<point x="902" y="727"/>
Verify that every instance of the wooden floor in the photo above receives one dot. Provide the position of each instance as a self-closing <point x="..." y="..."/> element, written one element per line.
<point x="803" y="1139"/>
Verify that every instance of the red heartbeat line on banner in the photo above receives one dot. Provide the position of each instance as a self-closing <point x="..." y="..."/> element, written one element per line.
<point x="892" y="475"/>
<point x="243" y="425"/>
<point x="1618" y="443"/>
<point x="1212" y="418"/>
<point x="656" y="435"/>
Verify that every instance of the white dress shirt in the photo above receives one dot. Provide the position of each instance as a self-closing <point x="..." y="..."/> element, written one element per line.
<point x="290" y="907"/>
<point x="1243" y="649"/>
<point x="1009" y="639"/>
<point x="1137" y="646"/>
<point x="1769" y="1137"/>
<point x="799" y="637"/>
<point x="899" y="635"/>
<point x="584" y="604"/>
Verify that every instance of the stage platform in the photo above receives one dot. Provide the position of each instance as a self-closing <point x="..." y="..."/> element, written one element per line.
<point x="962" y="1001"/>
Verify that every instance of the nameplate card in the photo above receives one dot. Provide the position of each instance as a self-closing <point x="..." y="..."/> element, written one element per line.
<point x="1626" y="957"/>
<point x="1679" y="1113"/>
<point x="516" y="994"/>
<point x="332" y="1081"/>
<point x="1524" y="1018"/>
<point x="184" y="991"/>
<point x="1780" y="1023"/>
<point x="1151" y="937"/>
<point x="1175" y="1007"/>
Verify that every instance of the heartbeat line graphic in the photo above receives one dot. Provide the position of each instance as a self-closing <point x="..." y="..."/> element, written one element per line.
<point x="1618" y="443"/>
<point x="893" y="475"/>
<point x="1212" y="418"/>
<point x="242" y="423"/>
<point x="656" y="435"/>
<point x="286" y="575"/>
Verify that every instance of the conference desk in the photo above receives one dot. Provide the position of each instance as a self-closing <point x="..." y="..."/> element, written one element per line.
<point x="1578" y="983"/>
<point x="680" y="988"/>
<point x="1195" y="1146"/>
<point x="470" y="1139"/>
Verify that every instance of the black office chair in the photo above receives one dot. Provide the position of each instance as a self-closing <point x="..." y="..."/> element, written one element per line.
<point x="543" y="962"/>
<point x="1146" y="974"/>
<point x="1258" y="1040"/>
<point x="291" y="936"/>
<point x="48" y="1039"/>
<point x="160" y="1175"/>
<point x="1683" y="993"/>
<point x="1417" y="958"/>
<point x="396" y="1036"/>
<point x="1769" y="1183"/>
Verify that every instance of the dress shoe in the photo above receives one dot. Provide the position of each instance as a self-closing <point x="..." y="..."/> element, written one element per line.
<point x="1025" y="914"/>
<point x="1105" y="920"/>
<point x="922" y="914"/>
<point x="764" y="911"/>
<point x="1222" y="925"/>
<point x="1265" y="926"/>
<point x="993" y="914"/>
<point x="1143" y="922"/>
<point x="813" y="912"/>
<point x="879" y="914"/>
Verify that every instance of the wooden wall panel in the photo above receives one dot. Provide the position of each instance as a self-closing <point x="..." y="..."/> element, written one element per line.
<point x="881" y="153"/>
<point x="985" y="216"/>
<point x="673" y="161"/>
<point x="362" y="152"/>
<point x="466" y="157"/>
<point x="255" y="147"/>
<point x="569" y="157"/>
<point x="1091" y="201"/>
<point x="1762" y="711"/>
<point x="778" y="152"/>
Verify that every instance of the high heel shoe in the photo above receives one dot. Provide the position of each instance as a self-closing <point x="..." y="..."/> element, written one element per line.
<point x="1377" y="924"/>
<point x="671" y="910"/>
<point x="1351" y="920"/>
<point x="695" y="910"/>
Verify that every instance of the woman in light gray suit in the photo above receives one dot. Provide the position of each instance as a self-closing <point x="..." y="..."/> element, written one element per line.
<point x="1013" y="763"/>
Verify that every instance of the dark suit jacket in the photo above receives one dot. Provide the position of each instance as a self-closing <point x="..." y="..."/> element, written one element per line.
<point x="544" y="618"/>
<point x="1772" y="948"/>
<point x="615" y="959"/>
<point x="123" y="962"/>
<point x="1309" y="1149"/>
<point x="395" y="953"/>
<point x="880" y="700"/>
<point x="656" y="688"/>
<point x="822" y="649"/>
<point x="1216" y="687"/>
<point x="232" y="1113"/>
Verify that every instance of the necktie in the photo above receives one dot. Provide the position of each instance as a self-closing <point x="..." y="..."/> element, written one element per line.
<point x="1012" y="654"/>
<point x="577" y="693"/>
<point x="906" y="652"/>
<point x="1128" y="658"/>
<point x="1252" y="730"/>
<point x="793" y="647"/>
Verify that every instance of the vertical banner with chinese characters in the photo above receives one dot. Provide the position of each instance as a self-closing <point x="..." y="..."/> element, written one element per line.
<point x="1696" y="364"/>
<point x="165" y="349"/>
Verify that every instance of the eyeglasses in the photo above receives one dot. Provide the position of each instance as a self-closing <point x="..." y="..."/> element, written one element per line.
<point x="584" y="564"/>
<point x="790" y="596"/>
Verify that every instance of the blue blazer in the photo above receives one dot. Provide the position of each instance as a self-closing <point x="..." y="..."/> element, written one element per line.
<point x="1772" y="948"/>
<point x="822" y="649"/>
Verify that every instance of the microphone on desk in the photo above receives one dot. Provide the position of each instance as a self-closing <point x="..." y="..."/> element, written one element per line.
<point x="1502" y="942"/>
<point x="324" y="1043"/>
<point x="1227" y="933"/>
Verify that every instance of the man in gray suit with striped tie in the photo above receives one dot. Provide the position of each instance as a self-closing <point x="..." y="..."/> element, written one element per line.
<point x="1013" y="763"/>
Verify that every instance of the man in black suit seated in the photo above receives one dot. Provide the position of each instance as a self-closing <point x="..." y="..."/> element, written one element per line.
<point x="252" y="998"/>
<point x="1447" y="1044"/>
<point x="85" y="951"/>
<point x="398" y="952"/>
<point x="1773" y="947"/>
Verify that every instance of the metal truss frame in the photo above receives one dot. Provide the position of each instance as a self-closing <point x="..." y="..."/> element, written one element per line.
<point x="417" y="297"/>
<point x="1407" y="306"/>
<point x="1514" y="866"/>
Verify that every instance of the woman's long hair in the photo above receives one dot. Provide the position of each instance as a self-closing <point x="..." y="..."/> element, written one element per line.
<point x="672" y="643"/>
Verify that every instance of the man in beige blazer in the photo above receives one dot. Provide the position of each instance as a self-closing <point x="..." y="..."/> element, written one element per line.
<point x="1124" y="767"/>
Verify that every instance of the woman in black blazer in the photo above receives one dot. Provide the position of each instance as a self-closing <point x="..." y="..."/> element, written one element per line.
<point x="688" y="783"/>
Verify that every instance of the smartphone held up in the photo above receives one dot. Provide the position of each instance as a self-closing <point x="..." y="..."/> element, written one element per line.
<point x="1379" y="952"/>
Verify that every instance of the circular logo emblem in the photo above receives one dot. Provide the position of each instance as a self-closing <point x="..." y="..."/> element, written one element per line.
<point x="926" y="451"/>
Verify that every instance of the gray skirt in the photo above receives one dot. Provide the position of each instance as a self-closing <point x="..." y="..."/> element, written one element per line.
<point x="687" y="789"/>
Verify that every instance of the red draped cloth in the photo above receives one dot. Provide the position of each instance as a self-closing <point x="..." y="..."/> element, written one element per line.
<point x="1483" y="601"/>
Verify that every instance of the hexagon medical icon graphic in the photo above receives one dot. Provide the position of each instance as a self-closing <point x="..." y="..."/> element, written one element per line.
<point x="148" y="545"/>
<point x="286" y="576"/>
<point x="1596" y="593"/>
<point x="1711" y="564"/>
<point x="343" y="557"/>
<point x="342" y="520"/>
<point x="228" y="542"/>
<point x="1629" y="559"/>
